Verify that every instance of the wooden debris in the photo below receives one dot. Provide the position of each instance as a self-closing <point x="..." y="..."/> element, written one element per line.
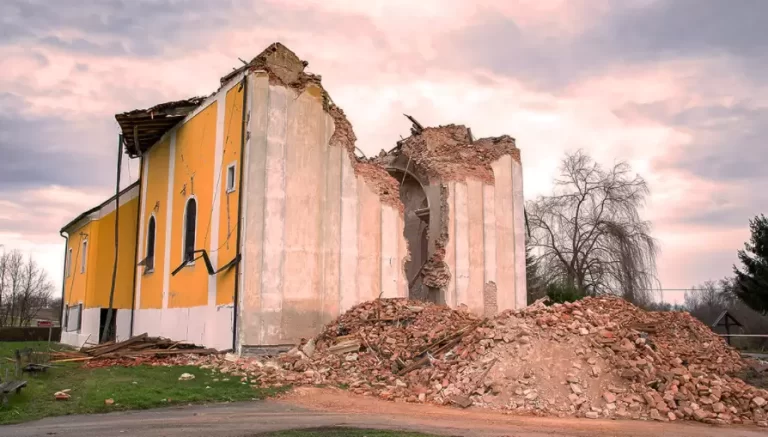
<point x="72" y="360"/>
<point x="345" y="347"/>
<point x="137" y="346"/>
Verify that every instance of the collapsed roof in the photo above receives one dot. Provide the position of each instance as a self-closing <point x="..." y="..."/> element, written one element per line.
<point x="144" y="127"/>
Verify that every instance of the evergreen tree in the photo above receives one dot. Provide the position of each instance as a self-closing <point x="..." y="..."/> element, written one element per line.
<point x="751" y="284"/>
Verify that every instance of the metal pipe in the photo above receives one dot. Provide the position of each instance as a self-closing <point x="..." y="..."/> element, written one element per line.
<point x="108" y="322"/>
<point x="138" y="226"/>
<point x="244" y="132"/>
<point x="63" y="280"/>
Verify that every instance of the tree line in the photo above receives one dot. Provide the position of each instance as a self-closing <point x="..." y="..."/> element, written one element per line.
<point x="25" y="290"/>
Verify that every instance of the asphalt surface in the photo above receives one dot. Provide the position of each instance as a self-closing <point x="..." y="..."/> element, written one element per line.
<point x="247" y="419"/>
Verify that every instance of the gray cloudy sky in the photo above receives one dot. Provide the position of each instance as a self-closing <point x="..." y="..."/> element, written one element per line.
<point x="675" y="87"/>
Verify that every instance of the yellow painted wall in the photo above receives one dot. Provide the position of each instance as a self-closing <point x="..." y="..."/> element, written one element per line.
<point x="193" y="176"/>
<point x="92" y="287"/>
<point x="102" y="258"/>
<point x="156" y="181"/>
<point x="76" y="283"/>
<point x="233" y="119"/>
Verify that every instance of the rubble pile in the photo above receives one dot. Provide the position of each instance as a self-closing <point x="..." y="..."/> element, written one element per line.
<point x="607" y="358"/>
<point x="596" y="358"/>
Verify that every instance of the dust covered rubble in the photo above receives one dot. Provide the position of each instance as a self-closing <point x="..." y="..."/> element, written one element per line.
<point x="597" y="358"/>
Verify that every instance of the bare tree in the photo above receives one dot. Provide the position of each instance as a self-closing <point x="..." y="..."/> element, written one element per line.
<point x="589" y="233"/>
<point x="24" y="289"/>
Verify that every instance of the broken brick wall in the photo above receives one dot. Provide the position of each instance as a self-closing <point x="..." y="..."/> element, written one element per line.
<point x="477" y="238"/>
<point x="322" y="231"/>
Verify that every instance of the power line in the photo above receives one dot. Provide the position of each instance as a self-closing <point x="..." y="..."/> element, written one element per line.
<point x="677" y="289"/>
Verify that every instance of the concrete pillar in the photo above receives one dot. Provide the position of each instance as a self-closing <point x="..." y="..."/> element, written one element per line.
<point x="489" y="245"/>
<point x="349" y="236"/>
<point x="461" y="245"/>
<point x="274" y="217"/>
<point x="521" y="295"/>
<point x="505" y="236"/>
<point x="252" y="212"/>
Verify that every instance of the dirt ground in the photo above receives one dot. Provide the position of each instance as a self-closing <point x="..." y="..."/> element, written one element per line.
<point x="314" y="407"/>
<point x="481" y="422"/>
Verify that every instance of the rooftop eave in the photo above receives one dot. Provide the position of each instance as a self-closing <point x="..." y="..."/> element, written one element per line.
<point x="142" y="128"/>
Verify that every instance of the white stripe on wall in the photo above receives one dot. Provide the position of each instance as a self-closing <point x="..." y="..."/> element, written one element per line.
<point x="169" y="219"/>
<point x="142" y="237"/>
<point x="219" y="179"/>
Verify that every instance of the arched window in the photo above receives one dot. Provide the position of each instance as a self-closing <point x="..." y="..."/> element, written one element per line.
<point x="190" y="224"/>
<point x="149" y="265"/>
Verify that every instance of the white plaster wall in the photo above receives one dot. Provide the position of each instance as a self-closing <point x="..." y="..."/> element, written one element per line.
<point x="123" y="324"/>
<point x="306" y="257"/>
<point x="487" y="239"/>
<point x="89" y="329"/>
<point x="203" y="325"/>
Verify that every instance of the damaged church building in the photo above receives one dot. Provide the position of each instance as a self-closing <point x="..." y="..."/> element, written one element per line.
<point x="256" y="220"/>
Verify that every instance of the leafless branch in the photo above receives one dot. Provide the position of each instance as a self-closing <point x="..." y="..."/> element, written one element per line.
<point x="589" y="233"/>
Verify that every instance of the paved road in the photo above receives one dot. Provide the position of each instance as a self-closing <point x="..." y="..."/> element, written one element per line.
<point x="244" y="419"/>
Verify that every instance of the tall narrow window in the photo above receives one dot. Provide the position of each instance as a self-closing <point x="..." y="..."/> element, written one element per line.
<point x="190" y="223"/>
<point x="84" y="257"/>
<point x="149" y="265"/>
<point x="68" y="263"/>
<point x="231" y="178"/>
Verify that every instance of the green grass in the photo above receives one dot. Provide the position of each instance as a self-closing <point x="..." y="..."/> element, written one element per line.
<point x="131" y="388"/>
<point x="340" y="432"/>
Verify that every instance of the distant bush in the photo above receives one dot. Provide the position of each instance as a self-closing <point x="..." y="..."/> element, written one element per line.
<point x="559" y="292"/>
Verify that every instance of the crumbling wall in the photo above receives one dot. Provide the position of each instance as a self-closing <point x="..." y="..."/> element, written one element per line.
<point x="436" y="273"/>
<point x="479" y="239"/>
<point x="448" y="153"/>
<point x="323" y="231"/>
<point x="375" y="175"/>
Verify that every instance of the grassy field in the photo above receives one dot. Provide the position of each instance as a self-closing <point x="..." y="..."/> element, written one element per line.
<point x="130" y="387"/>
<point x="340" y="432"/>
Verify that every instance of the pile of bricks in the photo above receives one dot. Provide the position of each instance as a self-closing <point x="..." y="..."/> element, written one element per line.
<point x="597" y="358"/>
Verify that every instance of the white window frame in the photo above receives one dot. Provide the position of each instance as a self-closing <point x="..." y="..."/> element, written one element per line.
<point x="154" y="243"/>
<point x="84" y="258"/>
<point x="68" y="264"/>
<point x="231" y="188"/>
<point x="184" y="227"/>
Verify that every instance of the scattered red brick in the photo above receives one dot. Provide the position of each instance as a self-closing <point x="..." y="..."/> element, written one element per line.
<point x="601" y="357"/>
